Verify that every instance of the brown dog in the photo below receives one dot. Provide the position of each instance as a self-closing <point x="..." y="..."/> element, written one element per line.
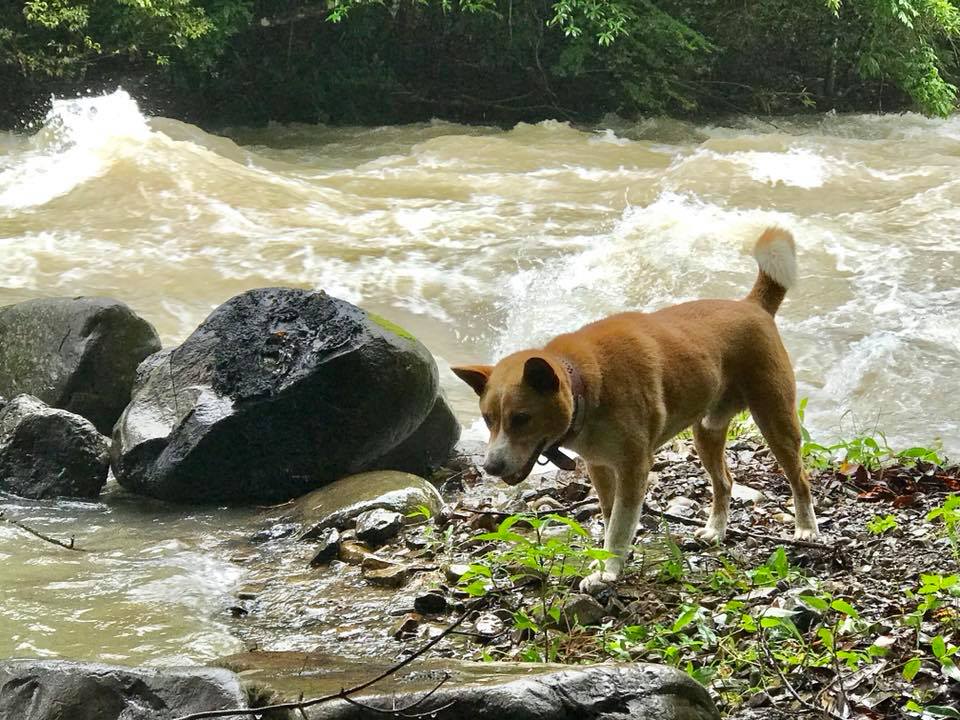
<point x="617" y="389"/>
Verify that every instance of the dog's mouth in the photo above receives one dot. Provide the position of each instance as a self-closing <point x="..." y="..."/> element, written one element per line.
<point x="522" y="474"/>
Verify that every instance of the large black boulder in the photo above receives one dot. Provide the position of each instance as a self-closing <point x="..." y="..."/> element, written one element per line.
<point x="60" y="690"/>
<point x="47" y="452"/>
<point x="427" y="447"/>
<point x="278" y="392"/>
<point x="79" y="354"/>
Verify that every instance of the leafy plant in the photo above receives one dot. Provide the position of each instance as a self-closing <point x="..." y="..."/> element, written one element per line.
<point x="880" y="524"/>
<point x="949" y="514"/>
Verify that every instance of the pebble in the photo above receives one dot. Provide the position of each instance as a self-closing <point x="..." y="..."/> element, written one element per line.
<point x="455" y="571"/>
<point x="683" y="506"/>
<point x="581" y="609"/>
<point x="407" y="627"/>
<point x="377" y="526"/>
<point x="328" y="547"/>
<point x="431" y="603"/>
<point x="488" y="625"/>
<point x="392" y="576"/>
<point x="354" y="553"/>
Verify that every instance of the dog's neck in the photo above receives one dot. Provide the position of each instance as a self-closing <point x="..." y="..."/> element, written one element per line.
<point x="578" y="391"/>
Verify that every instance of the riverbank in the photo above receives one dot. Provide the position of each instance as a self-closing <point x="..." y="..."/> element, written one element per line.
<point x="860" y="622"/>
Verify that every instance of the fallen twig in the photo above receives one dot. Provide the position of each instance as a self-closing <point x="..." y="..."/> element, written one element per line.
<point x="693" y="522"/>
<point x="37" y="533"/>
<point x="344" y="694"/>
<point x="535" y="513"/>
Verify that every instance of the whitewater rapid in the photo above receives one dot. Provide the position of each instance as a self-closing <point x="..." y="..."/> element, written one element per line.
<point x="483" y="240"/>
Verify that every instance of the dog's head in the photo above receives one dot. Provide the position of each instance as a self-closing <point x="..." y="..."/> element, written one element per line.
<point x="527" y="405"/>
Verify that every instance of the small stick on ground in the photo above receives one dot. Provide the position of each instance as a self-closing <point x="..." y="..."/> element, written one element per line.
<point x="693" y="522"/>
<point x="37" y="533"/>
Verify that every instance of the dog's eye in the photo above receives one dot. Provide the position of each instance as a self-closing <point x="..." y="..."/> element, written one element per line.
<point x="488" y="420"/>
<point x="518" y="420"/>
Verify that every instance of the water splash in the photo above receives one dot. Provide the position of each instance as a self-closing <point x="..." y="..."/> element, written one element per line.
<point x="79" y="140"/>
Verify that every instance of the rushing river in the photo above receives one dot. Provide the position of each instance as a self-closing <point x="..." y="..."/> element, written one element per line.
<point x="480" y="241"/>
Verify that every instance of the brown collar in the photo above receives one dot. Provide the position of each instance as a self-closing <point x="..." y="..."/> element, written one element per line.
<point x="554" y="454"/>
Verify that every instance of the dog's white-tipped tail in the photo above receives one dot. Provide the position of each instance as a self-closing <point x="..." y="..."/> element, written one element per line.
<point x="776" y="255"/>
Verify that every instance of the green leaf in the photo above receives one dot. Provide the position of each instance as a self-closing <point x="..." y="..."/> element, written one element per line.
<point x="938" y="646"/>
<point x="685" y="618"/>
<point x="842" y="606"/>
<point x="941" y="711"/>
<point x="911" y="669"/>
<point x="817" y="603"/>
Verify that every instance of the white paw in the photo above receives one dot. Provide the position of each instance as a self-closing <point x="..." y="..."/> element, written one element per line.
<point x="711" y="533"/>
<point x="806" y="533"/>
<point x="595" y="582"/>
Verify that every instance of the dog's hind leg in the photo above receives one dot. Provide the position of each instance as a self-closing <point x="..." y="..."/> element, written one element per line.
<point x="710" y="438"/>
<point x="776" y="417"/>
<point x="630" y="490"/>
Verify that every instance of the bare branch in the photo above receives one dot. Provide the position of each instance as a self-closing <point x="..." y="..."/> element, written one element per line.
<point x="37" y="533"/>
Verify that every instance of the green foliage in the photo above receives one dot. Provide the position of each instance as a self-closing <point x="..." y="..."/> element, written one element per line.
<point x="880" y="524"/>
<point x="552" y="552"/>
<point x="63" y="38"/>
<point x="365" y="60"/>
<point x="871" y="451"/>
<point x="949" y="514"/>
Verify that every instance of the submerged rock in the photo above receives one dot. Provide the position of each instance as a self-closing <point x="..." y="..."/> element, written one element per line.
<point x="78" y="354"/>
<point x="60" y="690"/>
<point x="46" y="452"/>
<point x="340" y="503"/>
<point x="278" y="392"/>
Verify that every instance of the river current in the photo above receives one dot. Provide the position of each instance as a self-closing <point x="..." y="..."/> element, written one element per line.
<point x="479" y="240"/>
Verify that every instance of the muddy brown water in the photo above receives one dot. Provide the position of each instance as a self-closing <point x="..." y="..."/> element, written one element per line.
<point x="480" y="241"/>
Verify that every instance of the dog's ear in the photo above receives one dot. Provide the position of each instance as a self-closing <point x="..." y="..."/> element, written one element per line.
<point x="539" y="374"/>
<point x="475" y="376"/>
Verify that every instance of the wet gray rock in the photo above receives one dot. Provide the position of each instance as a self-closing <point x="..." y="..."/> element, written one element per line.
<point x="581" y="609"/>
<point x="278" y="392"/>
<point x="392" y="576"/>
<point x="340" y="503"/>
<point x="328" y="547"/>
<point x="600" y="692"/>
<point x="47" y="452"/>
<point x="431" y="603"/>
<point x="60" y="690"/>
<point x="429" y="446"/>
<point x="377" y="526"/>
<point x="79" y="354"/>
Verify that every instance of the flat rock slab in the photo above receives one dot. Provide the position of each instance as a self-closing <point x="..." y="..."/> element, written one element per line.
<point x="79" y="354"/>
<point x="60" y="690"/>
<point x="340" y="503"/>
<point x="46" y="452"/>
<point x="482" y="691"/>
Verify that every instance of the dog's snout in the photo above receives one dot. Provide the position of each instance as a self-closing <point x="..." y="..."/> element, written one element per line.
<point x="494" y="466"/>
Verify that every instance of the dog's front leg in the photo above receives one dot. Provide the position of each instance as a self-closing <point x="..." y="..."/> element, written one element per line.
<point x="629" y="493"/>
